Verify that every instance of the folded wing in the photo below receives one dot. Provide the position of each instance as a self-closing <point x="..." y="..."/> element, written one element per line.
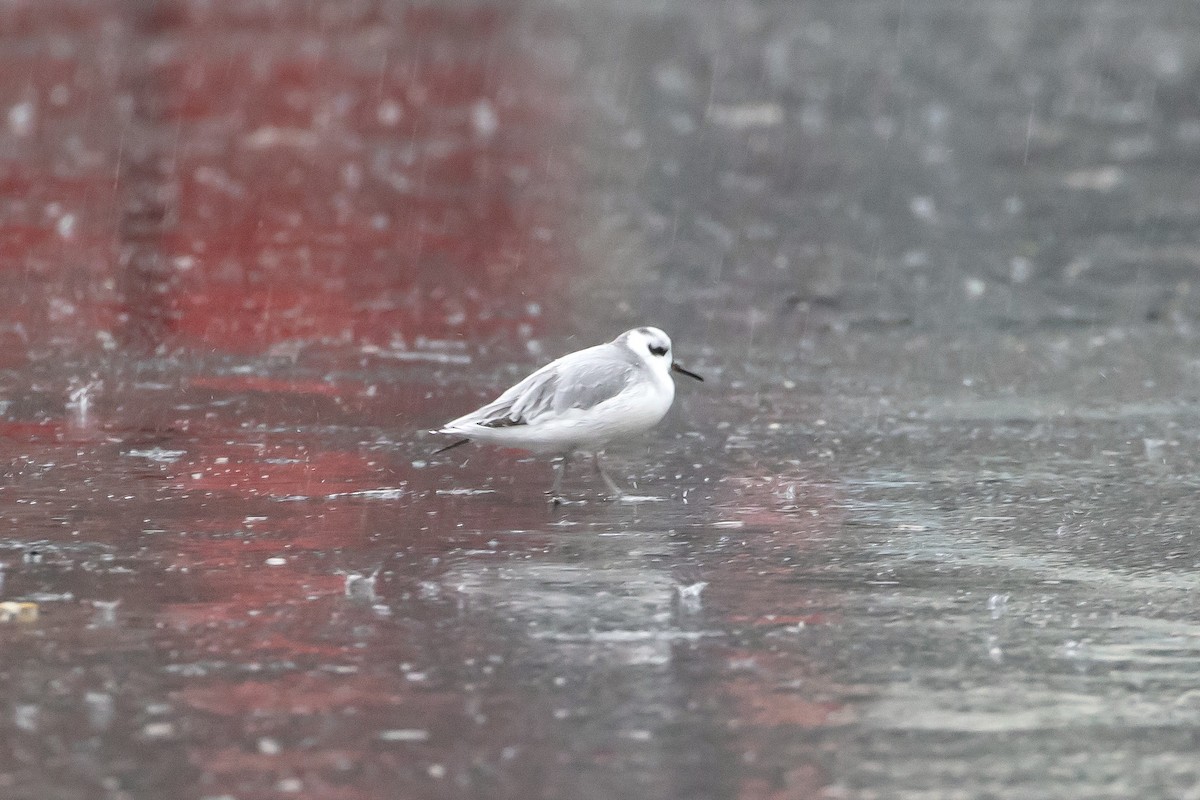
<point x="577" y="381"/>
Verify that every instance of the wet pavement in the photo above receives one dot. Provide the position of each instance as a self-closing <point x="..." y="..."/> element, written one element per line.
<point x="926" y="530"/>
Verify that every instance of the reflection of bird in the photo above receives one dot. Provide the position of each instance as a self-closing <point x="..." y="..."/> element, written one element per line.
<point x="580" y="402"/>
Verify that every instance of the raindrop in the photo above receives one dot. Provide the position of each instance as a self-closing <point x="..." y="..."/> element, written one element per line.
<point x="100" y="710"/>
<point x="25" y="716"/>
<point x="290" y="785"/>
<point x="995" y="653"/>
<point x="65" y="227"/>
<point x="106" y="612"/>
<point x="404" y="735"/>
<point x="158" y="730"/>
<point x="689" y="596"/>
<point x="21" y="118"/>
<point x="484" y="120"/>
<point x="361" y="587"/>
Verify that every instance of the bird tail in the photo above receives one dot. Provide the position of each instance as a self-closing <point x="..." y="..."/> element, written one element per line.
<point x="451" y="446"/>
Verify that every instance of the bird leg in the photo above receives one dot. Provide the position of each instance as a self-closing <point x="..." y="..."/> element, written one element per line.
<point x="613" y="489"/>
<point x="560" y="471"/>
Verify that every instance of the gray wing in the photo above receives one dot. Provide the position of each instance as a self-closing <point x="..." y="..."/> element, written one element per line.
<point x="579" y="380"/>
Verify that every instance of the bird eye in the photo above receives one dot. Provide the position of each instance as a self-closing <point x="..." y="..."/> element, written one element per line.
<point x="658" y="351"/>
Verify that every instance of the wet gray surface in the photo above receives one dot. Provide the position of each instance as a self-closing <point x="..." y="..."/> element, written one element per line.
<point x="926" y="530"/>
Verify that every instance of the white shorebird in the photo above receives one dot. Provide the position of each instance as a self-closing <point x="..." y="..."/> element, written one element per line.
<point x="581" y="402"/>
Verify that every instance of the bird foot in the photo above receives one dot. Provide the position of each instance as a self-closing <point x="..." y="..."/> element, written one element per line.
<point x="555" y="499"/>
<point x="614" y="491"/>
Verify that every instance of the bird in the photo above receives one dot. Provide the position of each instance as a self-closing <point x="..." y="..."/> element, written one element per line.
<point x="580" y="402"/>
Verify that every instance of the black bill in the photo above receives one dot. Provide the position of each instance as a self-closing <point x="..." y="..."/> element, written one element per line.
<point x="675" y="366"/>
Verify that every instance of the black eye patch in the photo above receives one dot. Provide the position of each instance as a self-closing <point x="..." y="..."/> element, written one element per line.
<point x="658" y="351"/>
